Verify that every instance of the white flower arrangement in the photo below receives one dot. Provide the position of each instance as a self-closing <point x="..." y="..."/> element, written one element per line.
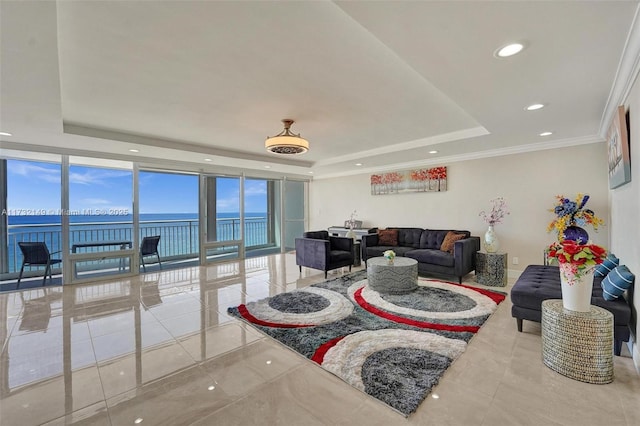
<point x="389" y="255"/>
<point x="352" y="220"/>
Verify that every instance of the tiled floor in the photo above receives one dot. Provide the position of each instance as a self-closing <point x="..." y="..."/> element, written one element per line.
<point x="160" y="350"/>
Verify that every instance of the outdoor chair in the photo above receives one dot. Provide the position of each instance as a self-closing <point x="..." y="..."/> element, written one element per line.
<point x="149" y="247"/>
<point x="318" y="250"/>
<point x="37" y="254"/>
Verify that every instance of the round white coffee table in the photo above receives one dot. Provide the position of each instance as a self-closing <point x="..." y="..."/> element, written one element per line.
<point x="398" y="277"/>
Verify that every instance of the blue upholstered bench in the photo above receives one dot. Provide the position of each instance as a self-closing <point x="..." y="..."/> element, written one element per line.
<point x="541" y="282"/>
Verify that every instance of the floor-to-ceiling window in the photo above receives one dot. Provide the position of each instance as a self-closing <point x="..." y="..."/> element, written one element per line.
<point x="30" y="210"/>
<point x="262" y="216"/>
<point x="84" y="208"/>
<point x="223" y="215"/>
<point x="169" y="209"/>
<point x="294" y="211"/>
<point x="100" y="217"/>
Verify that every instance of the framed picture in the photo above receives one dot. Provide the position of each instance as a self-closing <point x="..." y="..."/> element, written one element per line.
<point x="422" y="180"/>
<point x="618" y="148"/>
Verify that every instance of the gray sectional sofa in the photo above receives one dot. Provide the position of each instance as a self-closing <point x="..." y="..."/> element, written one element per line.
<point x="424" y="245"/>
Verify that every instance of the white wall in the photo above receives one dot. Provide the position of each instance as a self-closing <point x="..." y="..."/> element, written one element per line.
<point x="625" y="209"/>
<point x="529" y="183"/>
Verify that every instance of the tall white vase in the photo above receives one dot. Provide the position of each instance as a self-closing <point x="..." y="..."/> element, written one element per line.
<point x="491" y="243"/>
<point x="577" y="296"/>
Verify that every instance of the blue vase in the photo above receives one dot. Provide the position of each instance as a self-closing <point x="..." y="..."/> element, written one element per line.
<point x="577" y="234"/>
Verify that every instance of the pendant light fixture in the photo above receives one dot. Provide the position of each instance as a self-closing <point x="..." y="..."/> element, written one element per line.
<point x="287" y="143"/>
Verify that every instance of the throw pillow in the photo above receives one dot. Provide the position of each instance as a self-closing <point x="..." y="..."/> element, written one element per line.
<point x="616" y="282"/>
<point x="607" y="265"/>
<point x="388" y="237"/>
<point x="449" y="241"/>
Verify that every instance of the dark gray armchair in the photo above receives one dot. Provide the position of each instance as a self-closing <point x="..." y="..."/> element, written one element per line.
<point x="318" y="250"/>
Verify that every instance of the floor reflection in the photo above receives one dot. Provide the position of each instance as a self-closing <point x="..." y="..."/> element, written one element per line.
<point x="161" y="349"/>
<point x="83" y="344"/>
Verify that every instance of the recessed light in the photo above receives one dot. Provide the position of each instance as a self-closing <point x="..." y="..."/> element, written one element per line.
<point x="5" y="134"/>
<point x="534" y="107"/>
<point x="358" y="164"/>
<point x="310" y="173"/>
<point x="138" y="420"/>
<point x="211" y="387"/>
<point x="433" y="152"/>
<point x="546" y="133"/>
<point x="509" y="50"/>
<point x="267" y="167"/>
<point x="134" y="150"/>
<point x="435" y="396"/>
<point x="208" y="159"/>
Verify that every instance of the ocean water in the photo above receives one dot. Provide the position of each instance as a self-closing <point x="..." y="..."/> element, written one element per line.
<point x="179" y="232"/>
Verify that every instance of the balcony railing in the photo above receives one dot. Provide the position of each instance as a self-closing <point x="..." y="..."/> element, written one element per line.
<point x="179" y="239"/>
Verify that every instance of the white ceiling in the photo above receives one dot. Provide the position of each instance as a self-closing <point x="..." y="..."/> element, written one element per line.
<point x="378" y="83"/>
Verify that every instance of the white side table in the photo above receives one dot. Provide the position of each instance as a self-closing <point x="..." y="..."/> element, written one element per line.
<point x="491" y="268"/>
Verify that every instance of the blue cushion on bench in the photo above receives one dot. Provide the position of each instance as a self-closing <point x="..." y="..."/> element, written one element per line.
<point x="607" y="266"/>
<point x="616" y="282"/>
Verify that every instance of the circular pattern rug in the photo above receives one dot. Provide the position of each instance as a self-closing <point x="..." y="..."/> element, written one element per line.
<point x="393" y="347"/>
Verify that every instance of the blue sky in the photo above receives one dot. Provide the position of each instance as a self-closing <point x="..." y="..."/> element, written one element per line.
<point x="35" y="187"/>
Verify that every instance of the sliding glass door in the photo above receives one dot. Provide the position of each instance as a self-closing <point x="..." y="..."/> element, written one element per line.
<point x="222" y="217"/>
<point x="262" y="216"/>
<point x="100" y="218"/>
<point x="295" y="196"/>
<point x="96" y="212"/>
<point x="169" y="210"/>
<point x="30" y="210"/>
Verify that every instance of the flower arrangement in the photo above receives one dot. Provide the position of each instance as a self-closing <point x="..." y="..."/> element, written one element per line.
<point x="352" y="220"/>
<point x="498" y="212"/>
<point x="575" y="260"/>
<point x="572" y="213"/>
<point x="389" y="255"/>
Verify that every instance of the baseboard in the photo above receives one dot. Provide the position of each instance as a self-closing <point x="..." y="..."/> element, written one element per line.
<point x="513" y="274"/>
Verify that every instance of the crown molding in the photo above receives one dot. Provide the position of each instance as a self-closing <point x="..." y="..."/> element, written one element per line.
<point x="626" y="74"/>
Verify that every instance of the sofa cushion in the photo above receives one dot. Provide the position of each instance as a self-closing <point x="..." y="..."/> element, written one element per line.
<point x="377" y="251"/>
<point x="339" y="255"/>
<point x="409" y="237"/>
<point x="607" y="265"/>
<point x="432" y="256"/>
<point x="433" y="238"/>
<point x="449" y="241"/>
<point x="388" y="237"/>
<point x="616" y="282"/>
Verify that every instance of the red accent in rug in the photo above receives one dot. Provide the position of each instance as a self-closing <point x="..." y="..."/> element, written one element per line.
<point x="420" y="324"/>
<point x="496" y="297"/>
<point x="318" y="356"/>
<point x="242" y="309"/>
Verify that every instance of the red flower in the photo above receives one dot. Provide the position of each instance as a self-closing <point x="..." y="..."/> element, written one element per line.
<point x="598" y="251"/>
<point x="571" y="247"/>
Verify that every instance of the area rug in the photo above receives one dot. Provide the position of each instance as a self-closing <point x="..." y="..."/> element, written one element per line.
<point x="392" y="347"/>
